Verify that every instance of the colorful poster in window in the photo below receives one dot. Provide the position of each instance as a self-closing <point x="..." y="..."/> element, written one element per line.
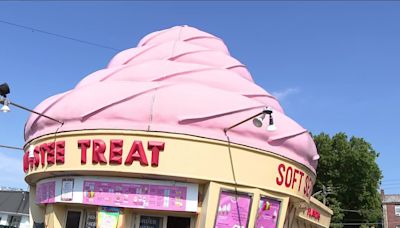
<point x="91" y="218"/>
<point x="147" y="196"/>
<point x="233" y="210"/>
<point x="267" y="213"/>
<point x="107" y="217"/>
<point x="46" y="192"/>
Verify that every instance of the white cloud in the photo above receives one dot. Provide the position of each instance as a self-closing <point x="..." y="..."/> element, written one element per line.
<point x="281" y="95"/>
<point x="12" y="174"/>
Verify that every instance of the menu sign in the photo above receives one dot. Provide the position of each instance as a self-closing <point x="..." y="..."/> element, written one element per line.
<point x="267" y="213"/>
<point x="150" y="222"/>
<point x="233" y="210"/>
<point x="67" y="189"/>
<point x="131" y="195"/>
<point x="91" y="218"/>
<point x="46" y="192"/>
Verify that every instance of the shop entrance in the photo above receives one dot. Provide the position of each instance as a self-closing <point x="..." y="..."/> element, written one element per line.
<point x="178" y="222"/>
<point x="73" y="219"/>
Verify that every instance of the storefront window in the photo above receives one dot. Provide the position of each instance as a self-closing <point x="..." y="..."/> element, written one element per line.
<point x="268" y="212"/>
<point x="150" y="221"/>
<point x="233" y="209"/>
<point x="73" y="219"/>
<point x="397" y="210"/>
<point x="91" y="217"/>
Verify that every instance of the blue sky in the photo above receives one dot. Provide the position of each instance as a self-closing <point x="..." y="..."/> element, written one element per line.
<point x="334" y="65"/>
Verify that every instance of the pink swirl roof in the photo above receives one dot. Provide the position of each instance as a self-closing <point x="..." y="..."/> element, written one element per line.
<point x="178" y="80"/>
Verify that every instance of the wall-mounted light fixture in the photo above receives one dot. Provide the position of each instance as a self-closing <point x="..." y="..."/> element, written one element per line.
<point x="5" y="107"/>
<point x="4" y="91"/>
<point x="258" y="120"/>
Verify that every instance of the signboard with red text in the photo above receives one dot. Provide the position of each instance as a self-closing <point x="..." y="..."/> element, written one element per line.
<point x="54" y="153"/>
<point x="111" y="153"/>
<point x="295" y="179"/>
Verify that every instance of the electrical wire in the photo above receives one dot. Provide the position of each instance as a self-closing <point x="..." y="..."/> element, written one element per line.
<point x="58" y="35"/>
<point x="11" y="147"/>
<point x="234" y="177"/>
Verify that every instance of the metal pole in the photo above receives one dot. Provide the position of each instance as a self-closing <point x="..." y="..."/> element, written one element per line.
<point x="265" y="111"/>
<point x="2" y="100"/>
<point x="11" y="147"/>
<point x="37" y="113"/>
<point x="251" y="117"/>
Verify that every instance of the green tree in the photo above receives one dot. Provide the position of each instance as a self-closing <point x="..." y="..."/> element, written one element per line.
<point x="348" y="169"/>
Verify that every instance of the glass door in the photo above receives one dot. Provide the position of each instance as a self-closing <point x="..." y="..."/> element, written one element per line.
<point x="150" y="221"/>
<point x="73" y="219"/>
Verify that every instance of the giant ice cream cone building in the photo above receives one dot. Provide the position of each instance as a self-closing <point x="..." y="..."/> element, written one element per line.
<point x="144" y="144"/>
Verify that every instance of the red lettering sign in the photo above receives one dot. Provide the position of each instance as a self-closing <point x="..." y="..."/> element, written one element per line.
<point x="98" y="150"/>
<point x="36" y="156"/>
<point x="313" y="213"/>
<point x="116" y="151"/>
<point x="60" y="151"/>
<point x="50" y="153"/>
<point x="281" y="169"/>
<point x="155" y="148"/>
<point x="26" y="161"/>
<point x="83" y="145"/>
<point x="137" y="154"/>
<point x="292" y="178"/>
<point x="54" y="153"/>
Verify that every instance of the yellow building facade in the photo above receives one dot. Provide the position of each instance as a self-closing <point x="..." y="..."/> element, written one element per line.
<point x="65" y="186"/>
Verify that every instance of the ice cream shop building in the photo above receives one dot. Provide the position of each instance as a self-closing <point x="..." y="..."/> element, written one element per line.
<point x="171" y="134"/>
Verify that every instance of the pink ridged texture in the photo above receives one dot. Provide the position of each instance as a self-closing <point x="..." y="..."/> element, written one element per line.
<point x="179" y="80"/>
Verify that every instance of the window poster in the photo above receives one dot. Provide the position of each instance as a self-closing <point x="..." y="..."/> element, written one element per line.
<point x="91" y="218"/>
<point x="233" y="210"/>
<point x="108" y="217"/>
<point x="67" y="189"/>
<point x="46" y="192"/>
<point x="267" y="213"/>
<point x="147" y="196"/>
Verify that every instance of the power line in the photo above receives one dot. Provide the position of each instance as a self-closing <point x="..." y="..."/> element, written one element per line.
<point x="58" y="35"/>
<point x="391" y="187"/>
<point x="394" y="182"/>
<point x="391" y="184"/>
<point x="391" y="179"/>
<point x="11" y="147"/>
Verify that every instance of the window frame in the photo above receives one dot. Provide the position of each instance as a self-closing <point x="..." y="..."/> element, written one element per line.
<point x="137" y="219"/>
<point x="397" y="210"/>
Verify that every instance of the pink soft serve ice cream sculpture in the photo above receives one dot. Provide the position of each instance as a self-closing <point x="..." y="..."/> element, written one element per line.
<point x="179" y="80"/>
